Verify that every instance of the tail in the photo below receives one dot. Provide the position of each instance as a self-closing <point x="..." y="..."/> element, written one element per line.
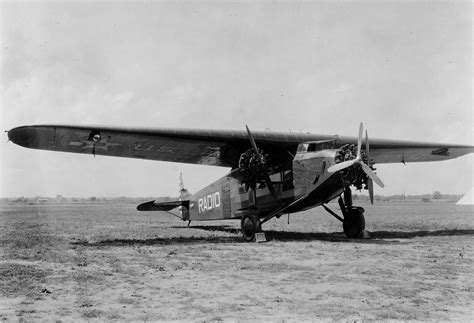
<point x="184" y="195"/>
<point x="183" y="192"/>
<point x="182" y="202"/>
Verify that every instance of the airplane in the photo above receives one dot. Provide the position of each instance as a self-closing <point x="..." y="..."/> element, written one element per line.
<point x="271" y="173"/>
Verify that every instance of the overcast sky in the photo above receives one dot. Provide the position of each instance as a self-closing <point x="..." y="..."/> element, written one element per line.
<point x="403" y="68"/>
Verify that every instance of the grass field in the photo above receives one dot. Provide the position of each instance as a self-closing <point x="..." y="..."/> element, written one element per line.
<point x="110" y="262"/>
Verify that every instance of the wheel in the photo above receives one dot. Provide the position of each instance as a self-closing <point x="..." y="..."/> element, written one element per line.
<point x="250" y="224"/>
<point x="354" y="223"/>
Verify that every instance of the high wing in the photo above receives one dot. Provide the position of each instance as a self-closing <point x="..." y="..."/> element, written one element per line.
<point x="211" y="147"/>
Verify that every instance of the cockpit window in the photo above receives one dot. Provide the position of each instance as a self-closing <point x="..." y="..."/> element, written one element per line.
<point x="312" y="147"/>
<point x="316" y="146"/>
<point x="302" y="148"/>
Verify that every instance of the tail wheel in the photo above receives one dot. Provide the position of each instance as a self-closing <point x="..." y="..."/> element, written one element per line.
<point x="250" y="224"/>
<point x="354" y="223"/>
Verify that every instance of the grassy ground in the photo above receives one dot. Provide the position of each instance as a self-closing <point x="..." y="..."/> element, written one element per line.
<point x="109" y="262"/>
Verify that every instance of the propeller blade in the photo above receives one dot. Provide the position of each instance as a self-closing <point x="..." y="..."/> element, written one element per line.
<point x="367" y="148"/>
<point x="252" y="141"/>
<point x="359" y="140"/>
<point x="266" y="177"/>
<point x="341" y="166"/>
<point x="372" y="175"/>
<point x="370" y="182"/>
<point x="370" y="186"/>
<point x="349" y="163"/>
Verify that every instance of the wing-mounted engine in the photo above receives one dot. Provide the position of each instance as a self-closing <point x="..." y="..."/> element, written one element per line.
<point x="355" y="165"/>
<point x="353" y="175"/>
<point x="252" y="166"/>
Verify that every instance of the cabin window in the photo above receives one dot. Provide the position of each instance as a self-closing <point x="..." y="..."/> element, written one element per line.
<point x="302" y="148"/>
<point x="312" y="147"/>
<point x="287" y="178"/>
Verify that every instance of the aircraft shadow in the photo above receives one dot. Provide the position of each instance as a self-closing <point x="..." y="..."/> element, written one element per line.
<point x="423" y="233"/>
<point x="282" y="235"/>
<point x="376" y="237"/>
<point x="157" y="241"/>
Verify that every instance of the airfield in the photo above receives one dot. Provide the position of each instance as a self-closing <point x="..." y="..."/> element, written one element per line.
<point x="109" y="262"/>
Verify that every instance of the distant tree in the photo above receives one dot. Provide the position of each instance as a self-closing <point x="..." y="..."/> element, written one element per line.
<point x="93" y="199"/>
<point x="437" y="195"/>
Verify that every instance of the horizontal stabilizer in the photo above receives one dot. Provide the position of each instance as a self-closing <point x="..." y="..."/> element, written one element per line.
<point x="161" y="206"/>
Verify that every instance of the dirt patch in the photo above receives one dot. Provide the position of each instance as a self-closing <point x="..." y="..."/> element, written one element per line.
<point x="20" y="279"/>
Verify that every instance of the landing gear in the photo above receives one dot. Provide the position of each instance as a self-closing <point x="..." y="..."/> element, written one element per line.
<point x="353" y="222"/>
<point x="250" y="224"/>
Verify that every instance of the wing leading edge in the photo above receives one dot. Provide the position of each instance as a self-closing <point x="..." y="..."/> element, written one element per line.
<point x="210" y="147"/>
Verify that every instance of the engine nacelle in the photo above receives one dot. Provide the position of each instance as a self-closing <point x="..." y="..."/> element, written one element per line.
<point x="353" y="175"/>
<point x="251" y="165"/>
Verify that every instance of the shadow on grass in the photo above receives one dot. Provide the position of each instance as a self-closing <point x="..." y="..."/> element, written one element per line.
<point x="157" y="241"/>
<point x="340" y="236"/>
<point x="377" y="237"/>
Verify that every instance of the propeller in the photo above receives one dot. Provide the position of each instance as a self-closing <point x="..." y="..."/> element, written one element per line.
<point x="370" y="182"/>
<point x="349" y="163"/>
<point x="262" y="170"/>
<point x="358" y="160"/>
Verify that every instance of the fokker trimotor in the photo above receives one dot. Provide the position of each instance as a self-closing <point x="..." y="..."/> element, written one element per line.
<point x="271" y="173"/>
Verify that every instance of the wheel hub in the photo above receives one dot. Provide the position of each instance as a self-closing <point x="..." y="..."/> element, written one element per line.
<point x="248" y="226"/>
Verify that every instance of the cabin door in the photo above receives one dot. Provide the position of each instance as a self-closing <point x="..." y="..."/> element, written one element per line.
<point x="225" y="201"/>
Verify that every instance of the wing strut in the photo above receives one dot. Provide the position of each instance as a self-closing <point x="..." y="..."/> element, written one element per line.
<point x="281" y="210"/>
<point x="334" y="214"/>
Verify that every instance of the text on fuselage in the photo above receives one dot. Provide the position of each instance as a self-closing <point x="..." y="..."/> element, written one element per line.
<point x="209" y="202"/>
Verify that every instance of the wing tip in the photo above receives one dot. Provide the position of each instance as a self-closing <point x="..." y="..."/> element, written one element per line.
<point x="21" y="136"/>
<point x="35" y="137"/>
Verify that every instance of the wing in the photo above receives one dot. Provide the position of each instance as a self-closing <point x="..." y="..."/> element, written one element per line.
<point x="208" y="147"/>
<point x="383" y="151"/>
<point x="211" y="147"/>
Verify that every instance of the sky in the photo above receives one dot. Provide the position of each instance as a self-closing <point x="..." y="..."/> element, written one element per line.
<point x="404" y="68"/>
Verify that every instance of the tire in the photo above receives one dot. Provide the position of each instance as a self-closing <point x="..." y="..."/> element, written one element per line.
<point x="354" y="224"/>
<point x="250" y="224"/>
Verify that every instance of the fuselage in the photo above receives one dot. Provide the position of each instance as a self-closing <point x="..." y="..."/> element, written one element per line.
<point x="307" y="176"/>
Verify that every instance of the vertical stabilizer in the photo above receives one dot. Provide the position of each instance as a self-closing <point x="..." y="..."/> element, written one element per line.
<point x="183" y="192"/>
<point x="183" y="195"/>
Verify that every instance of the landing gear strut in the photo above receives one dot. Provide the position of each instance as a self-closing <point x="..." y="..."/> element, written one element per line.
<point x="250" y="224"/>
<point x="353" y="222"/>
